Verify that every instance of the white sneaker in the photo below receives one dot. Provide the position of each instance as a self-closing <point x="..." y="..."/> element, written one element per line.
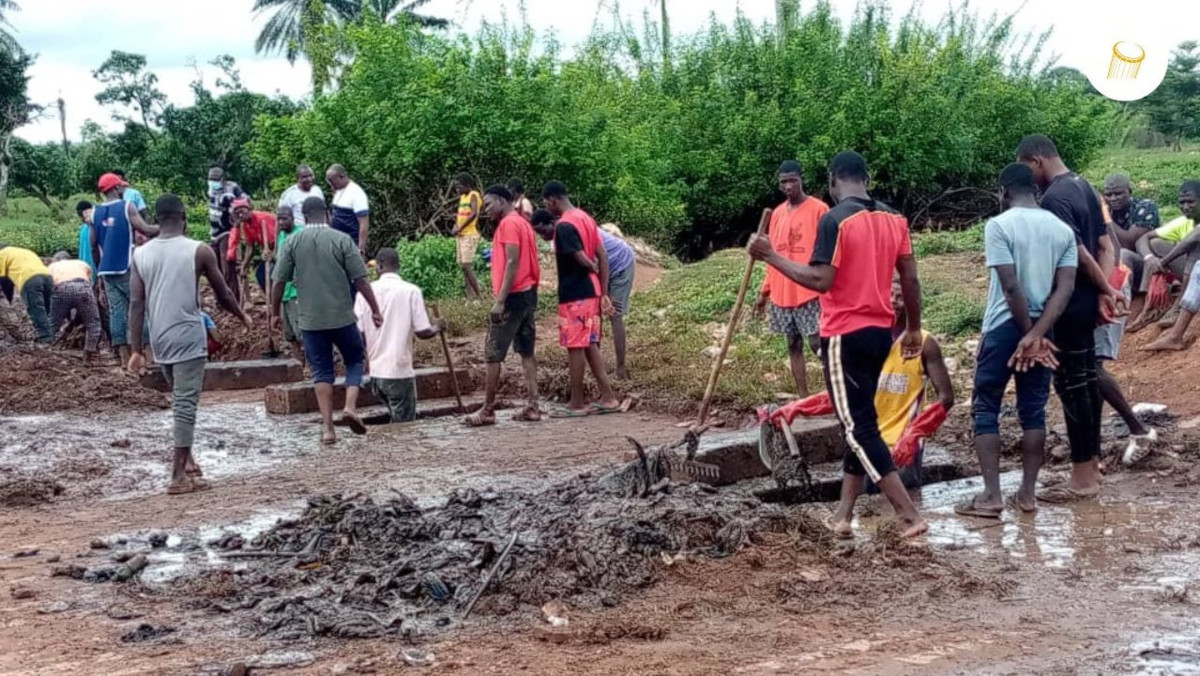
<point x="1145" y="408"/>
<point x="1139" y="447"/>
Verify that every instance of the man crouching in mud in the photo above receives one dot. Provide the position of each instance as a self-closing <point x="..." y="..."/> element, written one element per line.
<point x="860" y="242"/>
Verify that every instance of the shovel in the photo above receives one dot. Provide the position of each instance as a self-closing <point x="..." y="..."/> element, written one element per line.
<point x="449" y="360"/>
<point x="272" y="351"/>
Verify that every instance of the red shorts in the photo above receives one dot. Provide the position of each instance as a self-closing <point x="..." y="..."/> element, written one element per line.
<point x="579" y="323"/>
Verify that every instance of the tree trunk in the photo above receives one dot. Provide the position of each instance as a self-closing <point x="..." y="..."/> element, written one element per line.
<point x="62" y="119"/>
<point x="666" y="36"/>
<point x="5" y="166"/>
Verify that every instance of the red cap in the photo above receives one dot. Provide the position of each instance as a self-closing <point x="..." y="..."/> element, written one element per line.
<point x="109" y="182"/>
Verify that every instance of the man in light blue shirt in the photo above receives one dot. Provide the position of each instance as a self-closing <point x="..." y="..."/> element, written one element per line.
<point x="133" y="196"/>
<point x="1033" y="257"/>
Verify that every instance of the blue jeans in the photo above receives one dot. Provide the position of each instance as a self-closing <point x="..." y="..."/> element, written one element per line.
<point x="116" y="287"/>
<point x="318" y="349"/>
<point x="991" y="378"/>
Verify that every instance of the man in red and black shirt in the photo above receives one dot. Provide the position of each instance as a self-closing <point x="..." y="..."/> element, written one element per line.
<point x="860" y="244"/>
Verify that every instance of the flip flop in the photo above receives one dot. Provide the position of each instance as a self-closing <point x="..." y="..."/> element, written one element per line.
<point x="564" y="412"/>
<point x="354" y="422"/>
<point x="970" y="508"/>
<point x="188" y="485"/>
<point x="1063" y="494"/>
<point x="528" y="414"/>
<point x="1015" y="505"/>
<point x="478" y="420"/>
<point x="194" y="472"/>
<point x="596" y="408"/>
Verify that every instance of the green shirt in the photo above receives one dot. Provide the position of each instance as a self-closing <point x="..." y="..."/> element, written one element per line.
<point x="289" y="289"/>
<point x="1176" y="230"/>
<point x="322" y="263"/>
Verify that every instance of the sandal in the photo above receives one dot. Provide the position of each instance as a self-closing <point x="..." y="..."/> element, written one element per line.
<point x="564" y="412"/>
<point x="1063" y="494"/>
<point x="1015" y="505"/>
<point x="596" y="408"/>
<point x="354" y="422"/>
<point x="188" y="485"/>
<point x="971" y="508"/>
<point x="479" y="420"/>
<point x="529" y="414"/>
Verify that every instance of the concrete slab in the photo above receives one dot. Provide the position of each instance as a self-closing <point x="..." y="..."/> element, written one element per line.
<point x="293" y="398"/>
<point x="236" y="375"/>
<point x="827" y="479"/>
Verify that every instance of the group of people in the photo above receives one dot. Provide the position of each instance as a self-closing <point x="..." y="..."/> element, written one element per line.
<point x="1061" y="270"/>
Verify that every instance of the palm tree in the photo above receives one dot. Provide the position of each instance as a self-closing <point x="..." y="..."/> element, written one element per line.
<point x="295" y="23"/>
<point x="7" y="41"/>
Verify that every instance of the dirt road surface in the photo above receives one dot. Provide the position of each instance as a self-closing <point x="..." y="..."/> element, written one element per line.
<point x="1099" y="587"/>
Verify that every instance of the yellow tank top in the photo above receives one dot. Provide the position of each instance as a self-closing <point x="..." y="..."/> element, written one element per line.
<point x="468" y="226"/>
<point x="900" y="394"/>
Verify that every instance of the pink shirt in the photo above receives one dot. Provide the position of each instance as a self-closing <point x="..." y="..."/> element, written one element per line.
<point x="389" y="347"/>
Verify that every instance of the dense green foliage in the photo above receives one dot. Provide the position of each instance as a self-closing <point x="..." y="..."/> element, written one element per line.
<point x="683" y="155"/>
<point x="432" y="264"/>
<point x="1174" y="108"/>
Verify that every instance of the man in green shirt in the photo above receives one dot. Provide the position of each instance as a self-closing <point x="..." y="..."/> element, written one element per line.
<point x="322" y="263"/>
<point x="285" y="219"/>
<point x="1174" y="248"/>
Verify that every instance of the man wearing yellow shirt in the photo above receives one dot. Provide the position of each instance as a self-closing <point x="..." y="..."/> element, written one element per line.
<point x="466" y="229"/>
<point x="32" y="281"/>
<point x="73" y="291"/>
<point x="1174" y="248"/>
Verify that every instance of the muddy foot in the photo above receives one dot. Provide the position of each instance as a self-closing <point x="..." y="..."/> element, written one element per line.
<point x="329" y="437"/>
<point x="1023" y="504"/>
<point x="841" y="528"/>
<point x="1165" y="343"/>
<point x="916" y="529"/>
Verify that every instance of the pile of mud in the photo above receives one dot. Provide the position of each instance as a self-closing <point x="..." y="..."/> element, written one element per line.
<point x="352" y="567"/>
<point x="40" y="380"/>
<point x="19" y="489"/>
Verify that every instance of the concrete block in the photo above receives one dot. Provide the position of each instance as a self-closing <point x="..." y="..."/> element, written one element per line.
<point x="236" y="375"/>
<point x="293" y="398"/>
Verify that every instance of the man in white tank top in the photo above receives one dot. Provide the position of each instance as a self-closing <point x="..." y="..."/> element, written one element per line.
<point x="164" y="290"/>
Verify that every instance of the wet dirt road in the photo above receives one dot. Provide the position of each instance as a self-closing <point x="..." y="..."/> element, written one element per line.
<point x="1088" y="588"/>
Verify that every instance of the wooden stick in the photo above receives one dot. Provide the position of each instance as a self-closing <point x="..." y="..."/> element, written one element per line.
<point x="449" y="360"/>
<point x="487" y="579"/>
<point x="733" y="322"/>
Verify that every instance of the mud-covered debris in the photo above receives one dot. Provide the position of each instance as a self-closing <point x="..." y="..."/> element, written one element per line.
<point x="147" y="632"/>
<point x="98" y="544"/>
<point x="25" y="553"/>
<point x="72" y="571"/>
<point x="158" y="540"/>
<point x="19" y="489"/>
<point x="414" y="657"/>
<point x="54" y="558"/>
<point x="54" y="608"/>
<point x="122" y="443"/>
<point x="37" y="380"/>
<point x="280" y="659"/>
<point x="22" y="593"/>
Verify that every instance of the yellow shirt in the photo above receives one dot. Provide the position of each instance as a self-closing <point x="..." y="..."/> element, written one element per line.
<point x="20" y="265"/>
<point x="468" y="227"/>
<point x="70" y="271"/>
<point x="900" y="393"/>
<point x="1176" y="230"/>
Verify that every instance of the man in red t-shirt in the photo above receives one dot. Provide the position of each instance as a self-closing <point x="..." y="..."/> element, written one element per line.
<point x="250" y="229"/>
<point x="795" y="310"/>
<point x="515" y="278"/>
<point x="582" y="296"/>
<point x="860" y="242"/>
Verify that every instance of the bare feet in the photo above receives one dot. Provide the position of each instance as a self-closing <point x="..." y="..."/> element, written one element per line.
<point x="192" y="469"/>
<point x="841" y="528"/>
<point x="328" y="436"/>
<point x="622" y="373"/>
<point x="914" y="528"/>
<point x="350" y="419"/>
<point x="1026" y="504"/>
<point x="1166" y="342"/>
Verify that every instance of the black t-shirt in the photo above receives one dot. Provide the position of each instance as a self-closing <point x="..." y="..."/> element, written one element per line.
<point x="574" y="280"/>
<point x="1074" y="201"/>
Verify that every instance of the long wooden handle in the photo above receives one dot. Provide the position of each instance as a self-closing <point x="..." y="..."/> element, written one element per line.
<point x="733" y="322"/>
<point x="449" y="360"/>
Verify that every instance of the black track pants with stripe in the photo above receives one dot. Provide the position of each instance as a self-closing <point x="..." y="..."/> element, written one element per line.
<point x="853" y="363"/>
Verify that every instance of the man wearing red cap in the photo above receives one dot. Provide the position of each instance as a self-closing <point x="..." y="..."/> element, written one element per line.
<point x="113" y="226"/>
<point x="250" y="228"/>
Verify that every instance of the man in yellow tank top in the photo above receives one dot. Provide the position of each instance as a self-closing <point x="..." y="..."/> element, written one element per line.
<point x="899" y="399"/>
<point x="466" y="229"/>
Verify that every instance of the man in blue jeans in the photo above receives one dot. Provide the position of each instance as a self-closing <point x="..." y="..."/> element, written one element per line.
<point x="113" y="225"/>
<point x="1033" y="258"/>
<point x="323" y="263"/>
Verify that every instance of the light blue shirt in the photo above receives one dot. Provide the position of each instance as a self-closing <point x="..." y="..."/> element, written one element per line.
<point x="1037" y="244"/>
<point x="134" y="196"/>
<point x="620" y="255"/>
<point x="85" y="245"/>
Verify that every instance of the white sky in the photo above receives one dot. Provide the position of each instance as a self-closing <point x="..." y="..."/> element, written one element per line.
<point x="72" y="37"/>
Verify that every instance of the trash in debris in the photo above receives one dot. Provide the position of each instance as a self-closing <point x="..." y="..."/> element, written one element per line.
<point x="158" y="540"/>
<point x="280" y="660"/>
<point x="417" y="658"/>
<point x="555" y="612"/>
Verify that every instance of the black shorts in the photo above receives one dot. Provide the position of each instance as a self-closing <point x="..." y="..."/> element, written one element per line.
<point x="518" y="330"/>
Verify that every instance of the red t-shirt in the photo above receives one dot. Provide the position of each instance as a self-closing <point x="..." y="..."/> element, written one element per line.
<point x="514" y="229"/>
<point x="589" y="232"/>
<point x="863" y="239"/>
<point x="793" y="233"/>
<point x="258" y="230"/>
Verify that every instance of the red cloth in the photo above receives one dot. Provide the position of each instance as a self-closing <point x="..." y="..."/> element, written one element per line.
<point x="589" y="233"/>
<point x="514" y="229"/>
<point x="579" y="323"/>
<point x="922" y="427"/>
<point x="1159" y="295"/>
<point x="259" y="230"/>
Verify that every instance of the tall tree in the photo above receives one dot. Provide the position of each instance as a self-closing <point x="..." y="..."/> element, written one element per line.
<point x="301" y="28"/>
<point x="8" y="43"/>
<point x="15" y="109"/>
<point x="1174" y="108"/>
<point x="129" y="84"/>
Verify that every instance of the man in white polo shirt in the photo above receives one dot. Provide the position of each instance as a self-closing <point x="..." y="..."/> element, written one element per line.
<point x="351" y="210"/>
<point x="305" y="187"/>
<point x="389" y="346"/>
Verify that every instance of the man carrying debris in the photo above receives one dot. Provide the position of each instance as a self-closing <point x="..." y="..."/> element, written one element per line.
<point x="322" y="263"/>
<point x="795" y="311"/>
<point x="901" y="394"/>
<point x="1172" y="249"/>
<point x="583" y="277"/>
<point x="293" y="198"/>
<point x="515" y="278"/>
<point x="1069" y="197"/>
<point x="1033" y="258"/>
<point x="860" y="244"/>
<point x="389" y="347"/>
<point x="113" y="225"/>
<point x="466" y="231"/>
<point x="73" y="291"/>
<point x="250" y="229"/>
<point x="32" y="281"/>
<point x="164" y="292"/>
<point x="291" y="308"/>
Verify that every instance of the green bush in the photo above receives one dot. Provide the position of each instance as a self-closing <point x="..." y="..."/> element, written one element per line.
<point x="1156" y="173"/>
<point x="39" y="236"/>
<point x="948" y="241"/>
<point x="432" y="264"/>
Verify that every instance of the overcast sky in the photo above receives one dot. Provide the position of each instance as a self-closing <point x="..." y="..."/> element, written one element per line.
<point x="72" y="37"/>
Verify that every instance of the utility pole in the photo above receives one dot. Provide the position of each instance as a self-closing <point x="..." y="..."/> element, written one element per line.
<point x="62" y="119"/>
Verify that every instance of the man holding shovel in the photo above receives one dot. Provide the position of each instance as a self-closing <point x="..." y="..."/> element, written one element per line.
<point x="860" y="244"/>
<point x="250" y="229"/>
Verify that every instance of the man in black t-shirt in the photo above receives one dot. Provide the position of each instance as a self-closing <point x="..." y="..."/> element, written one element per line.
<point x="1069" y="197"/>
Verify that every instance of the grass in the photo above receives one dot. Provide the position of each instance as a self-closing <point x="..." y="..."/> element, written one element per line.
<point x="1156" y="172"/>
<point x="937" y="243"/>
<point x="30" y="224"/>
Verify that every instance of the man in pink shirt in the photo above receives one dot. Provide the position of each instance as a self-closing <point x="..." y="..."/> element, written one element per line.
<point x="389" y="346"/>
